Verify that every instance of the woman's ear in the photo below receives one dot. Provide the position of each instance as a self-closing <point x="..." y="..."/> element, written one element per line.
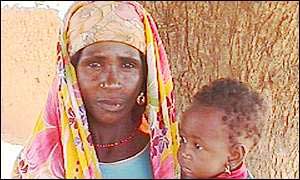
<point x="237" y="155"/>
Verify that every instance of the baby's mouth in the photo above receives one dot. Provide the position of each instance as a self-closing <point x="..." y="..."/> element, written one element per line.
<point x="187" y="172"/>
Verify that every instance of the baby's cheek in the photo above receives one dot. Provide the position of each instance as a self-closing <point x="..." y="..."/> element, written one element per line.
<point x="179" y="154"/>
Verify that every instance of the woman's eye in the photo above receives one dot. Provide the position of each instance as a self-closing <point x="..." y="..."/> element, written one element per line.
<point x="183" y="140"/>
<point x="95" y="65"/>
<point x="198" y="146"/>
<point x="128" y="65"/>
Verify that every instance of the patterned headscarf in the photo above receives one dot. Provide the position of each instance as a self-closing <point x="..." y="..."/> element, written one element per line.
<point x="61" y="145"/>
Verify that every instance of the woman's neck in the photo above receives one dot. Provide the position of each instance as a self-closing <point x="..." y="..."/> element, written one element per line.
<point x="104" y="133"/>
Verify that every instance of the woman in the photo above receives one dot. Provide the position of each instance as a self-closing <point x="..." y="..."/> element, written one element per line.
<point x="110" y="112"/>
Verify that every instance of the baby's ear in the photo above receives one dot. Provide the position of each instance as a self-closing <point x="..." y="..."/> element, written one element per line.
<point x="237" y="155"/>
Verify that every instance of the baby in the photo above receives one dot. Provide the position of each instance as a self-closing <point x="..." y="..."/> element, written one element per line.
<point x="218" y="130"/>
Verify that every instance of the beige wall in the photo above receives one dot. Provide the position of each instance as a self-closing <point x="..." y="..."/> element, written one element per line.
<point x="256" y="42"/>
<point x="28" y="48"/>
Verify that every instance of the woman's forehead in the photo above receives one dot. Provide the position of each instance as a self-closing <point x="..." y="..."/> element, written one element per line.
<point x="103" y="49"/>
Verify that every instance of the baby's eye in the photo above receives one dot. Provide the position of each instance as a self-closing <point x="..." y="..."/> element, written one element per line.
<point x="182" y="140"/>
<point x="128" y="65"/>
<point x="198" y="146"/>
<point x="95" y="65"/>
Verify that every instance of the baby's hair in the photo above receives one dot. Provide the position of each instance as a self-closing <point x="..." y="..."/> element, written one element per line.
<point x="244" y="108"/>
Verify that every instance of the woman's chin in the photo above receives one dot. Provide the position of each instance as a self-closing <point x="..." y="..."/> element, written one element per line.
<point x="106" y="118"/>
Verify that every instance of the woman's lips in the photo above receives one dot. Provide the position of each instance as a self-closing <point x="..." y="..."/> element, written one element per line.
<point x="112" y="105"/>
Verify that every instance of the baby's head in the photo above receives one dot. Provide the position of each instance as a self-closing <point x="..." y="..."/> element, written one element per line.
<point x="219" y="128"/>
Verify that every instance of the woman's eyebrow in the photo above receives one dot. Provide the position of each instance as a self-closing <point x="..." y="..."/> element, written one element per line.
<point x="99" y="55"/>
<point x="88" y="56"/>
<point x="129" y="58"/>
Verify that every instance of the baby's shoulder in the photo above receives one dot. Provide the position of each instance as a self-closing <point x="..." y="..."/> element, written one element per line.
<point x="249" y="175"/>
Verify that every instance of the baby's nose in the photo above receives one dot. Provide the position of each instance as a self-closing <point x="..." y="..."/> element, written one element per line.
<point x="186" y="156"/>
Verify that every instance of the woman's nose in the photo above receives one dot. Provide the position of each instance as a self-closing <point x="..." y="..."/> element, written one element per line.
<point x="112" y="79"/>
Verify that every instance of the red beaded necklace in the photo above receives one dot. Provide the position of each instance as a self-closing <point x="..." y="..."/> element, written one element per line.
<point x="121" y="141"/>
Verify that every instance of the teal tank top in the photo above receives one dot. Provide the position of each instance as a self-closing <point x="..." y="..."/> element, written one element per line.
<point x="135" y="167"/>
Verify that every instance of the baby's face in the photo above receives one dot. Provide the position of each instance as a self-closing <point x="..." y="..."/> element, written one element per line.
<point x="204" y="143"/>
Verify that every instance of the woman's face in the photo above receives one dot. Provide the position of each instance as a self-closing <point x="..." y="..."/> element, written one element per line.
<point x="110" y="76"/>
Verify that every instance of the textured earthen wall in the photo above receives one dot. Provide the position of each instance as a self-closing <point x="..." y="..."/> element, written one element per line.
<point x="28" y="49"/>
<point x="256" y="42"/>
